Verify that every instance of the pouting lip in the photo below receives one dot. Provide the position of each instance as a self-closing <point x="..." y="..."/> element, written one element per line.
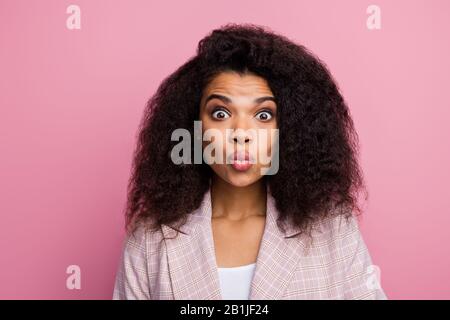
<point x="240" y="155"/>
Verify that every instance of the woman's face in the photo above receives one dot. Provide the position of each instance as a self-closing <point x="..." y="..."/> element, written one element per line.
<point x="230" y="102"/>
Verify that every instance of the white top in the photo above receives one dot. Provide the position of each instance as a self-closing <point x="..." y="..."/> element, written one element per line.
<point x="235" y="282"/>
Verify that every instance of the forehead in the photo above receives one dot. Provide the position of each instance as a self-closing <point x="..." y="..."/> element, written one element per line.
<point x="235" y="85"/>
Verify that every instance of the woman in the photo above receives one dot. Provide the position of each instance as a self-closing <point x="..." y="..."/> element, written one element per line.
<point x="244" y="228"/>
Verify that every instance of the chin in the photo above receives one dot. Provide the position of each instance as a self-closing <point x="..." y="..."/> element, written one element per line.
<point x="241" y="179"/>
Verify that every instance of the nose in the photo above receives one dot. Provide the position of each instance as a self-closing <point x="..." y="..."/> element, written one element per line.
<point x="241" y="133"/>
<point x="241" y="139"/>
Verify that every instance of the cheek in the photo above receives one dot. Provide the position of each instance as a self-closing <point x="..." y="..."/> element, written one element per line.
<point x="266" y="139"/>
<point x="214" y="145"/>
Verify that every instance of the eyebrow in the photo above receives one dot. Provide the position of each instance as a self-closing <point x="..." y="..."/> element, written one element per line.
<point x="225" y="99"/>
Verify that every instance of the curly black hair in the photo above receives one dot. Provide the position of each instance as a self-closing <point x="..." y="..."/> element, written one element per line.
<point x="318" y="168"/>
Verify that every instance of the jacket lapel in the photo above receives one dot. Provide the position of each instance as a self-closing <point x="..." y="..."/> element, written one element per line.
<point x="191" y="256"/>
<point x="277" y="259"/>
<point x="192" y="261"/>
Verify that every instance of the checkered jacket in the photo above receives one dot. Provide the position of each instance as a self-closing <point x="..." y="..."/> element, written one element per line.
<point x="335" y="264"/>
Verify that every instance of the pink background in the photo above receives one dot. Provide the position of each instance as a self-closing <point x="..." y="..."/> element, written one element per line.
<point x="71" y="101"/>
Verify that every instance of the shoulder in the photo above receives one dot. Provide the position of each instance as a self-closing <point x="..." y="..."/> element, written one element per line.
<point x="338" y="239"/>
<point x="339" y="243"/>
<point x="143" y="240"/>
<point x="336" y="229"/>
<point x="138" y="262"/>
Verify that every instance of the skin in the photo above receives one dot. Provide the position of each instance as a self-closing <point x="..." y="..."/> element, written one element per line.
<point x="238" y="198"/>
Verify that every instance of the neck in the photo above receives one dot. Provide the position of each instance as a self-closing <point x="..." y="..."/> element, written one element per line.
<point x="237" y="203"/>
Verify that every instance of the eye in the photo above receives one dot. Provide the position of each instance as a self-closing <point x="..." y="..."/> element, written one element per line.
<point x="264" y="115"/>
<point x="220" y="113"/>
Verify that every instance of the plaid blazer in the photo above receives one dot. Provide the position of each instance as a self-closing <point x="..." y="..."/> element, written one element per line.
<point x="335" y="264"/>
